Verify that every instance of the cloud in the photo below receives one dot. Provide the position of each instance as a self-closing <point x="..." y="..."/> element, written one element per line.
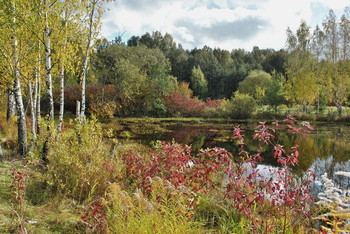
<point x="226" y="24"/>
<point x="143" y="5"/>
<point x="241" y="29"/>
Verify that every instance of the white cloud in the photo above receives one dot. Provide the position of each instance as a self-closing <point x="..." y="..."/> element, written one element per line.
<point x="226" y="24"/>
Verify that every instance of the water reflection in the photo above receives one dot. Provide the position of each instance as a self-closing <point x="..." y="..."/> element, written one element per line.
<point x="325" y="150"/>
<point x="329" y="166"/>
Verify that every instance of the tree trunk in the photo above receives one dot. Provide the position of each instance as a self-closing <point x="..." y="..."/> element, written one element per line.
<point x="340" y="109"/>
<point x="48" y="66"/>
<point x="78" y="110"/>
<point x="32" y="109"/>
<point x="21" y="122"/>
<point x="86" y="61"/>
<point x="37" y="94"/>
<point x="60" y="117"/>
<point x="11" y="104"/>
<point x="22" y="128"/>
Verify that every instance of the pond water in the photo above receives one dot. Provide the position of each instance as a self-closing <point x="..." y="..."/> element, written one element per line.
<point x="325" y="150"/>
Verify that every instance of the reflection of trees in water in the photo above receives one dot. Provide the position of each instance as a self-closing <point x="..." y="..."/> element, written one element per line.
<point x="329" y="166"/>
<point x="321" y="144"/>
<point x="315" y="150"/>
<point x="197" y="136"/>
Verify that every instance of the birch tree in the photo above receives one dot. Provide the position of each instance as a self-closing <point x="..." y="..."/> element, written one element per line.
<point x="94" y="13"/>
<point x="10" y="52"/>
<point x="66" y="52"/>
<point x="334" y="52"/>
<point x="48" y="5"/>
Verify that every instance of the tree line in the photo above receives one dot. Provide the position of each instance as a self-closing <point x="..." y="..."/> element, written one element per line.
<point x="313" y="69"/>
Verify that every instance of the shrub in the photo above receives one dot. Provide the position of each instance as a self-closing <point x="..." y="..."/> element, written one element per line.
<point x="211" y="108"/>
<point x="102" y="109"/>
<point x="173" y="162"/>
<point x="79" y="164"/>
<point x="176" y="103"/>
<point x="243" y="106"/>
<point x="101" y="99"/>
<point x="277" y="202"/>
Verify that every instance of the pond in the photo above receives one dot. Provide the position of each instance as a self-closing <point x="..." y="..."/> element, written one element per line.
<point x="325" y="150"/>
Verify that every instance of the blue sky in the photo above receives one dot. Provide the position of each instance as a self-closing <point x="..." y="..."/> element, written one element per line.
<point x="225" y="24"/>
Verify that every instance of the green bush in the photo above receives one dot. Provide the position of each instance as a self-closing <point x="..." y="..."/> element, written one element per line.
<point x="243" y="106"/>
<point x="80" y="162"/>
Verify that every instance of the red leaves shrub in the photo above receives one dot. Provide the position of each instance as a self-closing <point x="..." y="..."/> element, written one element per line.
<point x="271" y="203"/>
<point x="287" y="197"/>
<point x="95" y="218"/>
<point x="209" y="103"/>
<point x="18" y="186"/>
<point x="175" y="163"/>
<point x="186" y="106"/>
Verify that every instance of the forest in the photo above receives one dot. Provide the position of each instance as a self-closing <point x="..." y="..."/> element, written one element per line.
<point x="63" y="87"/>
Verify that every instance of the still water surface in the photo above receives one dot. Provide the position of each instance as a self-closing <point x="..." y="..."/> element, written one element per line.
<point x="326" y="150"/>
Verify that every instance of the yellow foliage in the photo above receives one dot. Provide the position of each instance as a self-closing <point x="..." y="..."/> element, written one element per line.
<point x="184" y="90"/>
<point x="103" y="109"/>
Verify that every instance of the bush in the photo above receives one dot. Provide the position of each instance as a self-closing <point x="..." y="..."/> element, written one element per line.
<point x="175" y="163"/>
<point x="243" y="106"/>
<point x="101" y="99"/>
<point x="176" y="103"/>
<point x="79" y="164"/>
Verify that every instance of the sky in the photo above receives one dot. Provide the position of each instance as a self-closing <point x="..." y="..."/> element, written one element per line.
<point x="225" y="24"/>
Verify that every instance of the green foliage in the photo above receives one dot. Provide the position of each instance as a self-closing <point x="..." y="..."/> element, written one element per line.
<point x="79" y="164"/>
<point x="199" y="84"/>
<point x="255" y="84"/>
<point x="302" y="87"/>
<point x="138" y="214"/>
<point x="275" y="94"/>
<point x="242" y="106"/>
<point x="140" y="75"/>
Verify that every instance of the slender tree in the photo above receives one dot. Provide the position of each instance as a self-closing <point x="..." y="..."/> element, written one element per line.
<point x="334" y="53"/>
<point x="93" y="8"/>
<point x="301" y="86"/>
<point x="48" y="65"/>
<point x="11" y="55"/>
<point x="198" y="83"/>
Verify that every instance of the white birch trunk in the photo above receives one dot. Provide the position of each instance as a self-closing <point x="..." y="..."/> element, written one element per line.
<point x="22" y="128"/>
<point x="60" y="117"/>
<point x="11" y="104"/>
<point x="78" y="110"/>
<point x="48" y="66"/>
<point x="38" y="94"/>
<point x="86" y="61"/>
<point x="32" y="109"/>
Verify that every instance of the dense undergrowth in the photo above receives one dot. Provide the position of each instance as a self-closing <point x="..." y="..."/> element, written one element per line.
<point x="84" y="180"/>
